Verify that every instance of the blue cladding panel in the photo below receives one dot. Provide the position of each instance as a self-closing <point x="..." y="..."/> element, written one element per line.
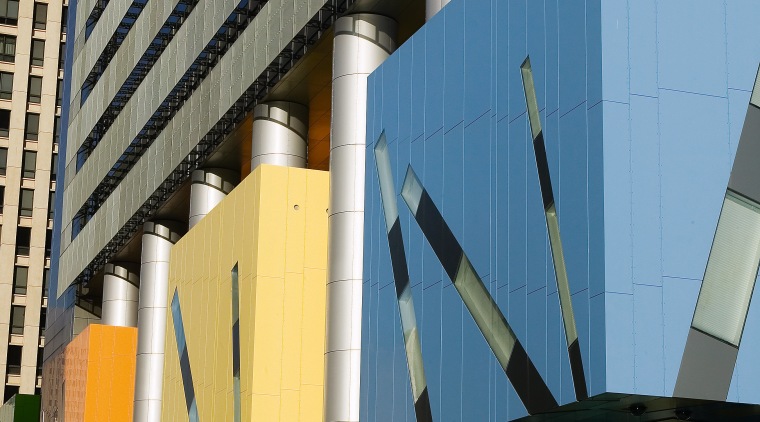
<point x="475" y="158"/>
<point x="453" y="95"/>
<point x="692" y="46"/>
<point x="670" y="135"/>
<point x="639" y="148"/>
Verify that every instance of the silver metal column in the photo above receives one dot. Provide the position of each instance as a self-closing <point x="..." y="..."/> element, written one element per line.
<point x="362" y="42"/>
<point x="157" y="241"/>
<point x="120" y="294"/>
<point x="279" y="137"/>
<point x="434" y="6"/>
<point x="209" y="187"/>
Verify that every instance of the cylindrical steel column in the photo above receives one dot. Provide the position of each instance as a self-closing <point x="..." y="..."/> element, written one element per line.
<point x="434" y="6"/>
<point x="158" y="238"/>
<point x="361" y="43"/>
<point x="121" y="283"/>
<point x="279" y="137"/>
<point x="208" y="188"/>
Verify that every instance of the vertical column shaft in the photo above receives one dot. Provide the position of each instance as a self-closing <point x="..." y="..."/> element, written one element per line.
<point x="434" y="6"/>
<point x="279" y="137"/>
<point x="121" y="283"/>
<point x="157" y="241"/>
<point x="362" y="42"/>
<point x="208" y="188"/>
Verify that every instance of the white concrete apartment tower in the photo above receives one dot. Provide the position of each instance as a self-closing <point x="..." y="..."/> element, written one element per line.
<point x="32" y="39"/>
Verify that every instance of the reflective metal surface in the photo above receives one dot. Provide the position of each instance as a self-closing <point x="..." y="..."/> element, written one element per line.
<point x="361" y="43"/>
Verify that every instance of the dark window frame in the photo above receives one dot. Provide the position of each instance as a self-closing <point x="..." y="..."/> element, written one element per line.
<point x="26" y="202"/>
<point x="13" y="359"/>
<point x="37" y="54"/>
<point x="39" y="20"/>
<point x="3" y="161"/>
<point x="7" y="48"/>
<point x="29" y="164"/>
<point x="57" y="130"/>
<point x="20" y="280"/>
<point x="21" y="314"/>
<point x="23" y="240"/>
<point x="6" y="85"/>
<point x="9" y="16"/>
<point x="32" y="127"/>
<point x="34" y="90"/>
<point x="5" y="123"/>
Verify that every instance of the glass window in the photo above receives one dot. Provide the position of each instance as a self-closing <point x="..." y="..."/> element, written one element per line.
<point x="3" y="160"/>
<point x="26" y="203"/>
<point x="5" y="123"/>
<point x="6" y="86"/>
<point x="40" y="351"/>
<point x="20" y="278"/>
<point x="14" y="360"/>
<point x="61" y="55"/>
<point x="43" y="322"/>
<point x="2" y="198"/>
<point x="54" y="167"/>
<point x="35" y="89"/>
<point x="17" y="319"/>
<point x="51" y="205"/>
<point x="9" y="12"/>
<point x="59" y="93"/>
<point x="64" y="19"/>
<point x="23" y="237"/>
<point x="57" y="130"/>
<point x="7" y="48"/>
<point x="29" y="164"/>
<point x="32" y="126"/>
<point x="38" y="53"/>
<point x="48" y="242"/>
<point x="40" y="15"/>
<point x="45" y="281"/>
<point x="731" y="271"/>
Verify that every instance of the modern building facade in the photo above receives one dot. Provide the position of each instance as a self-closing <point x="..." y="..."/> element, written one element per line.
<point x="32" y="34"/>
<point x="599" y="150"/>
<point x="170" y="106"/>
<point x="337" y="211"/>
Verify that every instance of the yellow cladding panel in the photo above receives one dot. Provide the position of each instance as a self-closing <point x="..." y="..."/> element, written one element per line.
<point x="274" y="227"/>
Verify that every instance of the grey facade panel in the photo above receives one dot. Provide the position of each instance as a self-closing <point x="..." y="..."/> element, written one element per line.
<point x="705" y="358"/>
<point x="136" y="187"/>
<point x="155" y="87"/>
<point x="745" y="175"/>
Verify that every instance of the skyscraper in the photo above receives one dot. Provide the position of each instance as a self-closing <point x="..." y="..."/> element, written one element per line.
<point x="32" y="36"/>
